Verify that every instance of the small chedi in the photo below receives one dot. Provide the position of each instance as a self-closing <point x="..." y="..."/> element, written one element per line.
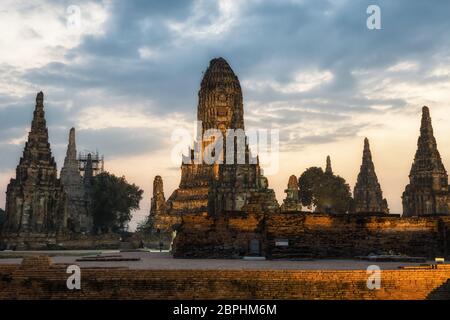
<point x="367" y="194"/>
<point x="158" y="218"/>
<point x="35" y="199"/>
<point x="427" y="192"/>
<point x="78" y="211"/>
<point x="292" y="201"/>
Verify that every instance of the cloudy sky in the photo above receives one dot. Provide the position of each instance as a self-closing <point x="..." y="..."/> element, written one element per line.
<point x="127" y="73"/>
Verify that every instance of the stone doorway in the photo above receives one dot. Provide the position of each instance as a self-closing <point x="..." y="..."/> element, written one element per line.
<point x="255" y="247"/>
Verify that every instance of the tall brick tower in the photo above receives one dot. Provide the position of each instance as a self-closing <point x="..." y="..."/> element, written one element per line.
<point x="428" y="191"/>
<point x="367" y="194"/>
<point x="212" y="189"/>
<point x="35" y="200"/>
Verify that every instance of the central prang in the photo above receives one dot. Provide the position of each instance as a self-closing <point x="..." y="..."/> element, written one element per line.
<point x="214" y="188"/>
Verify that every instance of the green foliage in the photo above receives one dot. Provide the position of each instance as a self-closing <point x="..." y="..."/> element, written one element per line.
<point x="113" y="200"/>
<point x="144" y="226"/>
<point x="326" y="192"/>
<point x="308" y="184"/>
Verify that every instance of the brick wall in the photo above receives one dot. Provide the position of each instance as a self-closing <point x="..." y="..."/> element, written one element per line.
<point x="228" y="235"/>
<point x="30" y="241"/>
<point x="312" y="235"/>
<point x="346" y="236"/>
<point x="36" y="278"/>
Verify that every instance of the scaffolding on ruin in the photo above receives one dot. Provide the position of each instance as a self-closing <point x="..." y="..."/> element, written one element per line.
<point x="96" y="159"/>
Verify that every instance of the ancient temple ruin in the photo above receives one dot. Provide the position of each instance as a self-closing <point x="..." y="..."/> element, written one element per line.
<point x="285" y="234"/>
<point x="215" y="188"/>
<point x="78" y="200"/>
<point x="292" y="201"/>
<point x="35" y="199"/>
<point x="158" y="218"/>
<point x="367" y="194"/>
<point x="427" y="192"/>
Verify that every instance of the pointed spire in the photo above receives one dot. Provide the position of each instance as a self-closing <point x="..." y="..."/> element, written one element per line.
<point x="293" y="183"/>
<point x="72" y="136"/>
<point x="37" y="148"/>
<point x="425" y="126"/>
<point x="70" y="173"/>
<point x="71" y="154"/>
<point x="36" y="179"/>
<point x="38" y="124"/>
<point x="367" y="192"/>
<point x="158" y="186"/>
<point x="366" y="153"/>
<point x="220" y="104"/>
<point x="40" y="98"/>
<point x="367" y="163"/>
<point x="328" y="169"/>
<point x="428" y="190"/>
<point x="427" y="156"/>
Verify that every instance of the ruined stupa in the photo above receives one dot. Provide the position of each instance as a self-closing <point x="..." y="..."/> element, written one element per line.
<point x="79" y="217"/>
<point x="35" y="199"/>
<point x="367" y="194"/>
<point x="428" y="191"/>
<point x="292" y="201"/>
<point x="158" y="218"/>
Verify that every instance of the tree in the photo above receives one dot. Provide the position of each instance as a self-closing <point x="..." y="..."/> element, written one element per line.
<point x="326" y="192"/>
<point x="113" y="200"/>
<point x="144" y="226"/>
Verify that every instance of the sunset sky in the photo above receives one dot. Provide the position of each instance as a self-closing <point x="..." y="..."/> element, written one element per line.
<point x="127" y="73"/>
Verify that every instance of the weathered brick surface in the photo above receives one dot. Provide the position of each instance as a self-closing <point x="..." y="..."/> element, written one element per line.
<point x="33" y="241"/>
<point x="35" y="198"/>
<point x="313" y="235"/>
<point x="320" y="235"/>
<point x="215" y="237"/>
<point x="36" y="279"/>
<point x="427" y="191"/>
